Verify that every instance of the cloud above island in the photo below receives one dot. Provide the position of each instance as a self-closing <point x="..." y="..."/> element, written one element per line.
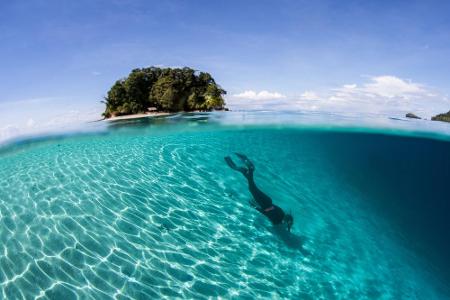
<point x="385" y="94"/>
<point x="262" y="95"/>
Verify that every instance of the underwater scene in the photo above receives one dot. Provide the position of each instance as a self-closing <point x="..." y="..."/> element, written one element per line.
<point x="148" y="208"/>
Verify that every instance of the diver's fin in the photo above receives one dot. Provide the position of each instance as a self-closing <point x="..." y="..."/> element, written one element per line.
<point x="241" y="156"/>
<point x="246" y="160"/>
<point x="232" y="165"/>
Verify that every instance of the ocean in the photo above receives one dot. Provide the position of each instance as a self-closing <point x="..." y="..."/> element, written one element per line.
<point x="147" y="208"/>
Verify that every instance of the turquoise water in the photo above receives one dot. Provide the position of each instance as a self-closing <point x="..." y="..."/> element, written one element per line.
<point x="148" y="209"/>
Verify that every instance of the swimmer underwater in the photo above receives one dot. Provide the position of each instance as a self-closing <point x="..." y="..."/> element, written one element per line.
<point x="261" y="202"/>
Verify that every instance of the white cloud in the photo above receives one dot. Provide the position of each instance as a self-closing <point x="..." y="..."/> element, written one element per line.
<point x="350" y="86"/>
<point x="30" y="123"/>
<point x="262" y="95"/>
<point x="8" y="131"/>
<point x="386" y="95"/>
<point x="379" y="88"/>
<point x="309" y="95"/>
<point x="391" y="86"/>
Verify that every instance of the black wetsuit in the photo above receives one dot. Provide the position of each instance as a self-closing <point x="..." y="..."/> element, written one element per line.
<point x="271" y="211"/>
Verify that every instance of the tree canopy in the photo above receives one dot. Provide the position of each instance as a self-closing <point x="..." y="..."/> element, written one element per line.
<point x="166" y="89"/>
<point x="442" y="117"/>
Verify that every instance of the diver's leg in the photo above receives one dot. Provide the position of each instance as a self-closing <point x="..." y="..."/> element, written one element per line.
<point x="262" y="199"/>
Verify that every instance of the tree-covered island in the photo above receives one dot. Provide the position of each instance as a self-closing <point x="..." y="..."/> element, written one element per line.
<point x="442" y="117"/>
<point x="163" y="90"/>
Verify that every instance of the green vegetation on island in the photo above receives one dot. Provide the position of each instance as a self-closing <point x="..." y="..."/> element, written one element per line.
<point x="442" y="117"/>
<point x="163" y="90"/>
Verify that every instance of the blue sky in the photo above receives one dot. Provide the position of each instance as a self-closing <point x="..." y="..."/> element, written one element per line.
<point x="387" y="56"/>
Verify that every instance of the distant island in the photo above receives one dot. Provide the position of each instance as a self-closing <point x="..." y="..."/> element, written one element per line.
<point x="412" y="116"/>
<point x="163" y="90"/>
<point x="442" y="117"/>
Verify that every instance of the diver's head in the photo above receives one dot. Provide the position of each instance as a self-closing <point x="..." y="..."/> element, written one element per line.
<point x="289" y="221"/>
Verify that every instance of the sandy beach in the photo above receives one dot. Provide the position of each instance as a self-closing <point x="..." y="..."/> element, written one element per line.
<point x="138" y="116"/>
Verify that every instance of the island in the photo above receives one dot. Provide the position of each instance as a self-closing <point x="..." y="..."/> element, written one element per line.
<point x="412" y="116"/>
<point x="442" y="117"/>
<point x="163" y="90"/>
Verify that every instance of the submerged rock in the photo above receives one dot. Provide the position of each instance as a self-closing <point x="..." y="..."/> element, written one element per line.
<point x="442" y="117"/>
<point x="412" y="116"/>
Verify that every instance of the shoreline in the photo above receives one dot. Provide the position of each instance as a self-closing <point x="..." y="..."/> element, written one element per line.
<point x="138" y="116"/>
